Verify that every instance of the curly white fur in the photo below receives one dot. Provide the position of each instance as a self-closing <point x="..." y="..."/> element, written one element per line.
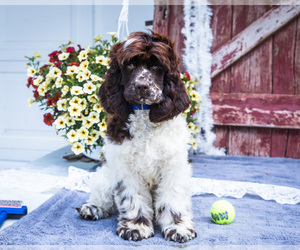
<point x="146" y="179"/>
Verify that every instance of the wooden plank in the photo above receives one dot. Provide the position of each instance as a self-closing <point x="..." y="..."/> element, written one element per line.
<point x="259" y="143"/>
<point x="221" y="137"/>
<point x="161" y="21"/>
<point x="293" y="147"/>
<point x="221" y="83"/>
<point x="279" y="141"/>
<point x="238" y="141"/>
<point x="258" y="110"/>
<point x="253" y="73"/>
<point x="283" y="60"/>
<point x="244" y="15"/>
<point x="297" y="58"/>
<point x="221" y="25"/>
<point x="253" y="35"/>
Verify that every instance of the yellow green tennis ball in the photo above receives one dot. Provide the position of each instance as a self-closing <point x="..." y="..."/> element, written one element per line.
<point x="222" y="212"/>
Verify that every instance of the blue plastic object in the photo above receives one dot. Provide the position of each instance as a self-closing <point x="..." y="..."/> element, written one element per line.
<point x="5" y="211"/>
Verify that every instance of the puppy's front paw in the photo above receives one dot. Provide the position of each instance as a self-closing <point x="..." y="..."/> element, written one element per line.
<point x="179" y="234"/>
<point x="132" y="231"/>
<point x="91" y="212"/>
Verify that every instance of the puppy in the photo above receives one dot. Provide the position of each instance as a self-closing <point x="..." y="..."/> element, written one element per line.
<point x="146" y="177"/>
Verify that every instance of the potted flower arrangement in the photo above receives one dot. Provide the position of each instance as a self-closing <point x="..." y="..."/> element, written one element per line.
<point x="66" y="89"/>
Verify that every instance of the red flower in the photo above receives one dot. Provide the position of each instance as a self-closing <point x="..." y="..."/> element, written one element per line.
<point x="36" y="94"/>
<point x="58" y="64"/>
<point x="54" y="56"/>
<point x="187" y="75"/>
<point x="53" y="100"/>
<point x="70" y="50"/>
<point x="29" y="82"/>
<point x="74" y="64"/>
<point x="48" y="119"/>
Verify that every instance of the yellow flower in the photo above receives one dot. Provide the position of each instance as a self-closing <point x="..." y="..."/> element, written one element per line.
<point x="193" y="143"/>
<point x="82" y="55"/>
<point x="112" y="34"/>
<point x="37" y="54"/>
<point x="89" y="140"/>
<point x="31" y="71"/>
<point x="102" y="60"/>
<point x="97" y="107"/>
<point x="95" y="134"/>
<point x="80" y="77"/>
<point x="86" y="123"/>
<point x="59" y="82"/>
<point x="62" y="105"/>
<point x="42" y="90"/>
<point x="195" y="96"/>
<point x="72" y="70"/>
<point x="84" y="65"/>
<point x="70" y="121"/>
<point x="77" y="148"/>
<point x="82" y="133"/>
<point x="102" y="126"/>
<point x="72" y="136"/>
<point x="30" y="101"/>
<point x="63" y="56"/>
<point x="75" y="110"/>
<point x="65" y="90"/>
<point x="97" y="38"/>
<point x="96" y="78"/>
<point x="38" y="80"/>
<point x="60" y="122"/>
<point x="94" y="117"/>
<point x="76" y="90"/>
<point x="75" y="100"/>
<point x="93" y="98"/>
<point x="89" y="88"/>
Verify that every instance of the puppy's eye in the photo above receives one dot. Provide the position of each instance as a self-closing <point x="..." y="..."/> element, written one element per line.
<point x="130" y="66"/>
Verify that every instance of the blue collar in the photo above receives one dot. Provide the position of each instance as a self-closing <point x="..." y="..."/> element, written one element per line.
<point x="139" y="107"/>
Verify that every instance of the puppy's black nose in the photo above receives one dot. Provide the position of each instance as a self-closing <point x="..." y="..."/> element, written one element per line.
<point x="142" y="85"/>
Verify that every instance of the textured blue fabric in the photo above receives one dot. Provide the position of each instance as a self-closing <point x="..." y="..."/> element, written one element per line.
<point x="257" y="222"/>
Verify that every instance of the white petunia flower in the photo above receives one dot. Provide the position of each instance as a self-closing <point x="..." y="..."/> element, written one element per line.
<point x="60" y="122"/>
<point x="86" y="74"/>
<point x="30" y="101"/>
<point x="72" y="136"/>
<point x="31" y="71"/>
<point x="72" y="70"/>
<point x="89" y="140"/>
<point x="84" y="65"/>
<point x="86" y="123"/>
<point x="38" y="80"/>
<point x="82" y="133"/>
<point x="95" y="134"/>
<point x="75" y="110"/>
<point x="77" y="148"/>
<point x="82" y="55"/>
<point x="97" y="107"/>
<point x="80" y="76"/>
<point x="76" y="90"/>
<point x="42" y="90"/>
<point x="54" y="72"/>
<point x="62" y="105"/>
<point x="59" y="82"/>
<point x="65" y="90"/>
<point x="94" y="117"/>
<point x="93" y="98"/>
<point x="96" y="78"/>
<point x="70" y="121"/>
<point x="89" y="88"/>
<point x="102" y="60"/>
<point x="63" y="56"/>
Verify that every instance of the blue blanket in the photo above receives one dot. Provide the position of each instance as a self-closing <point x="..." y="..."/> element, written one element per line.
<point x="257" y="222"/>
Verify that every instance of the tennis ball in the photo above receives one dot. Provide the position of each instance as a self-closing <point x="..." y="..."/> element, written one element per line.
<point x="222" y="212"/>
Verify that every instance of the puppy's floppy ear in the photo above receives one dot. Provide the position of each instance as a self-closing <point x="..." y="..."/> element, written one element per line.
<point x="111" y="91"/>
<point x="175" y="99"/>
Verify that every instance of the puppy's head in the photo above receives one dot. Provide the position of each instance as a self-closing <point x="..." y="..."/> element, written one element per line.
<point x="144" y="70"/>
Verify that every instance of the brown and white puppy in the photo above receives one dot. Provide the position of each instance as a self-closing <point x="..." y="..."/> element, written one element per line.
<point x="147" y="176"/>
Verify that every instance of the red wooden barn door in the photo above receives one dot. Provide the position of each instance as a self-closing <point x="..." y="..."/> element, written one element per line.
<point x="255" y="76"/>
